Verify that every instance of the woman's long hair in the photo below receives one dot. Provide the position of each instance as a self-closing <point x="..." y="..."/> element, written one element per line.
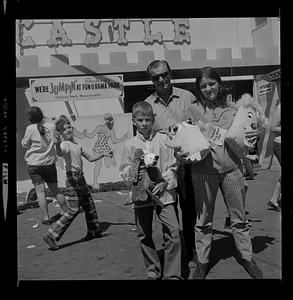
<point x="211" y="73"/>
<point x="35" y="116"/>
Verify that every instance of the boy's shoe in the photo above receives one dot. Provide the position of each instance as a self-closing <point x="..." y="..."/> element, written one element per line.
<point x="46" y="222"/>
<point x="50" y="242"/>
<point x="95" y="235"/>
<point x="227" y="225"/>
<point x="252" y="269"/>
<point x="200" y="271"/>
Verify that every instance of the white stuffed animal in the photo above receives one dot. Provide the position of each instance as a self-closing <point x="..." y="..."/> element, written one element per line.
<point x="188" y="136"/>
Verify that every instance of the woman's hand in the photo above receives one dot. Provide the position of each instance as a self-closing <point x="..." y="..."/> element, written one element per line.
<point x="180" y="155"/>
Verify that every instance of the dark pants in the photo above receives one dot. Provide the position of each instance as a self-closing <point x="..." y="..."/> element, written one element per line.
<point x="187" y="206"/>
<point x="172" y="244"/>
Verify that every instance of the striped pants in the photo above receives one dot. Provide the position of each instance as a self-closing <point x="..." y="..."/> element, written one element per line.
<point x="81" y="197"/>
<point x="205" y="192"/>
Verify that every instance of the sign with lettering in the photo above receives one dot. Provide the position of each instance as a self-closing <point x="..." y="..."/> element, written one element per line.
<point x="215" y="134"/>
<point x="94" y="32"/>
<point x="77" y="88"/>
<point x="264" y="87"/>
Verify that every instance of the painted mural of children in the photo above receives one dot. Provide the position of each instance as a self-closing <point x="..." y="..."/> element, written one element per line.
<point x="147" y="139"/>
<point x="104" y="134"/>
<point x="72" y="152"/>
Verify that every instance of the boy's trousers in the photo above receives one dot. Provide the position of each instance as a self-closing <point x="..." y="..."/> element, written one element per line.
<point x="81" y="197"/>
<point x="172" y="250"/>
<point x="205" y="191"/>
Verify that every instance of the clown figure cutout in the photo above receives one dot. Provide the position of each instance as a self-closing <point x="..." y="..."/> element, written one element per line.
<point x="105" y="135"/>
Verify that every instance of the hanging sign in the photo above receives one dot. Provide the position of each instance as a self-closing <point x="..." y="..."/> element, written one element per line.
<point x="275" y="75"/>
<point x="264" y="87"/>
<point x="77" y="88"/>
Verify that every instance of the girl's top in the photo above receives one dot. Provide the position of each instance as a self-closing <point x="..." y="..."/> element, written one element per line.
<point x="72" y="153"/>
<point x="221" y="159"/>
<point x="40" y="148"/>
<point x="166" y="163"/>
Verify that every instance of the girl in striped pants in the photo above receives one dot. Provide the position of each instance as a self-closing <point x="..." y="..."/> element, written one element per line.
<point x="221" y="168"/>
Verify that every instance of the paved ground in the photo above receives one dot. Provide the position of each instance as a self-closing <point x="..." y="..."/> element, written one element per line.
<point x="118" y="257"/>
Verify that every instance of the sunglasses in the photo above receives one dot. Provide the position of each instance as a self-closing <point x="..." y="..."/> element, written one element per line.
<point x="163" y="75"/>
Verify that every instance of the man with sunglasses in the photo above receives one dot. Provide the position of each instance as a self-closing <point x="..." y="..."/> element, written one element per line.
<point x="169" y="106"/>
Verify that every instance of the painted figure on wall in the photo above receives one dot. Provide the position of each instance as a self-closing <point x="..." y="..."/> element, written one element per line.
<point x="105" y="135"/>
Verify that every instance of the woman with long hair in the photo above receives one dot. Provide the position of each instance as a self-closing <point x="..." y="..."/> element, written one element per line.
<point x="40" y="156"/>
<point x="221" y="168"/>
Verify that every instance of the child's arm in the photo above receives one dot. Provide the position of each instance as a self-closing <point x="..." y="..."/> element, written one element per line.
<point x="125" y="168"/>
<point x="57" y="142"/>
<point x="26" y="140"/>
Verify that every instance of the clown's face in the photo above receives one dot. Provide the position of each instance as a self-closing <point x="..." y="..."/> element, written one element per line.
<point x="109" y="122"/>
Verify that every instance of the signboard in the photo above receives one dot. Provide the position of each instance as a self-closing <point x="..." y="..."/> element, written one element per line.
<point x="275" y="75"/>
<point x="98" y="31"/>
<point x="77" y="88"/>
<point x="264" y="87"/>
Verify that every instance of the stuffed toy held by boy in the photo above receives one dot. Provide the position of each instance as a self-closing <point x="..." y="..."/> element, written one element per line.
<point x="144" y="182"/>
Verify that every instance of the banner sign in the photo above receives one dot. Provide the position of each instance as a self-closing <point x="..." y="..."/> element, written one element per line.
<point x="275" y="75"/>
<point x="77" y="88"/>
<point x="99" y="31"/>
<point x="264" y="87"/>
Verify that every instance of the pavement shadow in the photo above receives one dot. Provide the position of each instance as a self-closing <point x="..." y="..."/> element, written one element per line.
<point x="224" y="248"/>
<point x="103" y="225"/>
<point x="260" y="243"/>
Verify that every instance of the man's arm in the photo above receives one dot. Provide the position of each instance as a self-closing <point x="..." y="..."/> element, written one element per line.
<point x="58" y="145"/>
